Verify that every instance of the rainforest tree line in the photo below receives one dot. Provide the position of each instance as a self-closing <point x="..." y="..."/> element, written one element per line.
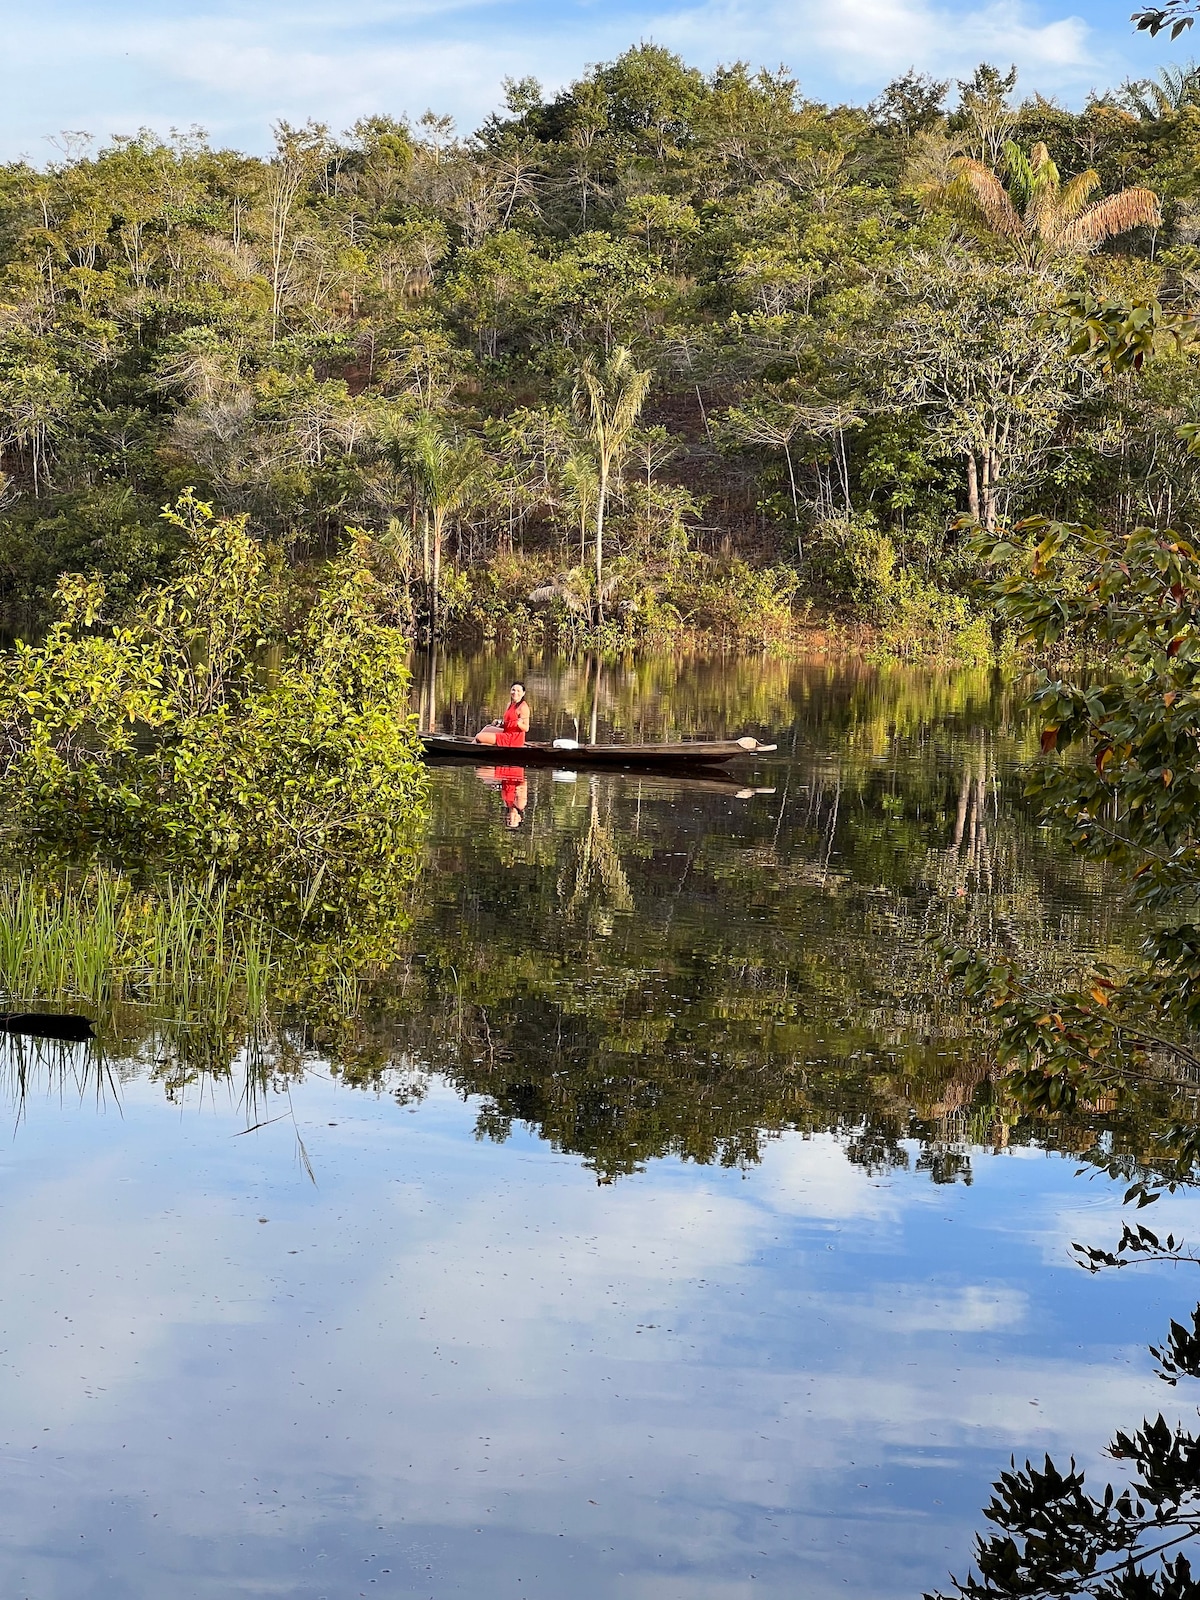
<point x="664" y="351"/>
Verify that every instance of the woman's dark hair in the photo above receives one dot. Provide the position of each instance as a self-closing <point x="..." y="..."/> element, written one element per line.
<point x="517" y="685"/>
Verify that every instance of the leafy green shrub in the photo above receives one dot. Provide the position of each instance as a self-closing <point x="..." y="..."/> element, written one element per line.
<point x="850" y="558"/>
<point x="521" y="600"/>
<point x="735" y="602"/>
<point x="161" y="737"/>
<point x="919" y="620"/>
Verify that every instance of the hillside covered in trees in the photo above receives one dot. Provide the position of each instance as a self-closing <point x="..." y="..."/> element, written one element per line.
<point x="665" y="352"/>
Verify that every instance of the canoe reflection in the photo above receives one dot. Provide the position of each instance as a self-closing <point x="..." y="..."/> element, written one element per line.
<point x="514" y="791"/>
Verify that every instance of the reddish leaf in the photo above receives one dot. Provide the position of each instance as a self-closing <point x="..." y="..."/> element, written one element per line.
<point x="1049" y="740"/>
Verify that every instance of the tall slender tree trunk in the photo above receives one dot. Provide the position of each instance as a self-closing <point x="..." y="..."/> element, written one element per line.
<point x="787" y="453"/>
<point x="972" y="485"/>
<point x="988" y="491"/>
<point x="993" y="489"/>
<point x="436" y="596"/>
<point x="601" y="500"/>
<point x="279" y="220"/>
<point x="845" y="469"/>
<point x="432" y="724"/>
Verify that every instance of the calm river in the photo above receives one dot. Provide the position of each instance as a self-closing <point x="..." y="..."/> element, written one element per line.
<point x="663" y="1237"/>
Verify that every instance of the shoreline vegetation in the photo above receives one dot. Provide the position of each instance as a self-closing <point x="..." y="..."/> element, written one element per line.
<point x="227" y="724"/>
<point x="665" y="359"/>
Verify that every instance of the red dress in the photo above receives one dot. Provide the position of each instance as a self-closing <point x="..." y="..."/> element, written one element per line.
<point x="512" y="733"/>
<point x="511" y="779"/>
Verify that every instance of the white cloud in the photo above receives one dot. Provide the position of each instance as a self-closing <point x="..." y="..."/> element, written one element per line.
<point x="812" y="1177"/>
<point x="969" y="1308"/>
<point x="862" y="43"/>
<point x="235" y="67"/>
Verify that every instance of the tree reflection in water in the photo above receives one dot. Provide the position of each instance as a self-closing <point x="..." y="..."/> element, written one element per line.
<point x="658" y="971"/>
<point x="651" y="967"/>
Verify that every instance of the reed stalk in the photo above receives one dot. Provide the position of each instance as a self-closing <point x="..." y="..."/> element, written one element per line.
<point x="180" y="950"/>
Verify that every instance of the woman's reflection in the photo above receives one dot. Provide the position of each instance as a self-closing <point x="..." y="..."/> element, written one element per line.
<point x="514" y="791"/>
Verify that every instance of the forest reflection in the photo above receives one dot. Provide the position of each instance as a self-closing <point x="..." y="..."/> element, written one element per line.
<point x="650" y="967"/>
<point x="659" y="972"/>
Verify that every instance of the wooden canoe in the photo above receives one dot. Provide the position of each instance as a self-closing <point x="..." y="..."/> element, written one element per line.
<point x="697" y="753"/>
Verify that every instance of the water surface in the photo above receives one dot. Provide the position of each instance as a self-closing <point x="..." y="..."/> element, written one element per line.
<point x="667" y="1237"/>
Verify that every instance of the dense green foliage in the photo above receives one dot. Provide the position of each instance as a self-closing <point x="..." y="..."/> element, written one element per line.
<point x="1120" y="779"/>
<point x="226" y="720"/>
<point x="848" y="317"/>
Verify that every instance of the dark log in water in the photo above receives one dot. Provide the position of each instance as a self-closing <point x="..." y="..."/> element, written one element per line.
<point x="46" y="1024"/>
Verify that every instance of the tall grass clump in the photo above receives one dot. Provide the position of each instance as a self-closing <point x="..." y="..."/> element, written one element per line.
<point x="180" y="951"/>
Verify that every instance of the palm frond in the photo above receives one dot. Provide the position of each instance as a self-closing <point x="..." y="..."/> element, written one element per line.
<point x="1155" y="99"/>
<point x="1173" y="79"/>
<point x="608" y="398"/>
<point x="1044" y="214"/>
<point x="1022" y="174"/>
<point x="978" y="195"/>
<point x="1132" y="208"/>
<point x="1176" y="87"/>
<point x="1076" y="193"/>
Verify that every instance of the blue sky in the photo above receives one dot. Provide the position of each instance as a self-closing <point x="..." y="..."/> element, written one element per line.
<point x="234" y="67"/>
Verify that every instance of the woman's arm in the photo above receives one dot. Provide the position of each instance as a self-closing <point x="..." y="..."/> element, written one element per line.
<point x="523" y="717"/>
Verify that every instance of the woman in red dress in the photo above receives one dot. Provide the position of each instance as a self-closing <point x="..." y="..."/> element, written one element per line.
<point x="512" y="727"/>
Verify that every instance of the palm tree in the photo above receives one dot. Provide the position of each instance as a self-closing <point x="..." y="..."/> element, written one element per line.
<point x="1038" y="216"/>
<point x="608" y="400"/>
<point x="581" y="486"/>
<point x="447" y="475"/>
<point x="1154" y="99"/>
